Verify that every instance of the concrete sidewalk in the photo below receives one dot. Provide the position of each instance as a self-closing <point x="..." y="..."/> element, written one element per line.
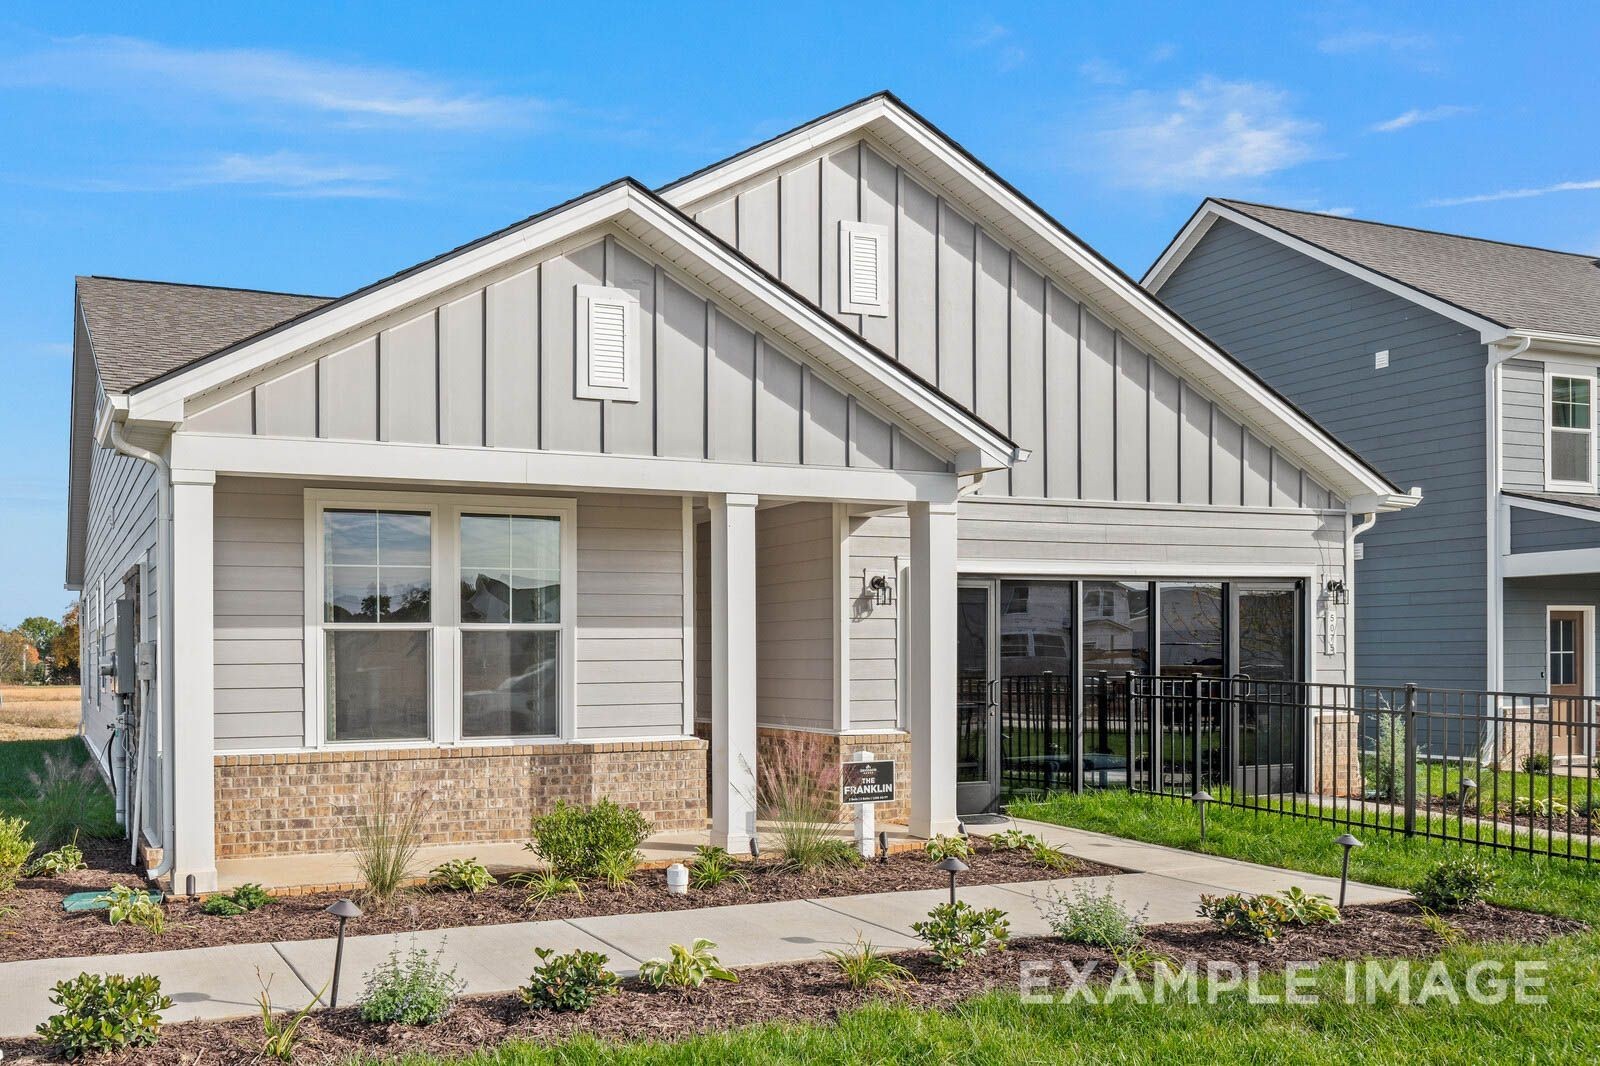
<point x="222" y="982"/>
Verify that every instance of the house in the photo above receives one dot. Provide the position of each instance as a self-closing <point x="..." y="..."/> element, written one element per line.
<point x="833" y="436"/>
<point x="1464" y="365"/>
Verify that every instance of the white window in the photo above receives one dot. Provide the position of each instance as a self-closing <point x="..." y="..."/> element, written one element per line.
<point x="863" y="280"/>
<point x="1570" y="421"/>
<point x="438" y="619"/>
<point x="608" y="344"/>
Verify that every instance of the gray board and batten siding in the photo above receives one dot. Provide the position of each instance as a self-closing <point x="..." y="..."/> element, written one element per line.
<point x="1312" y="332"/>
<point x="998" y="334"/>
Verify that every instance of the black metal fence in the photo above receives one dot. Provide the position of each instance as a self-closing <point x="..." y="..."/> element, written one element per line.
<point x="1513" y="771"/>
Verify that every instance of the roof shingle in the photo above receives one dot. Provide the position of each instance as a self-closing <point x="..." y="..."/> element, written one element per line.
<point x="1511" y="284"/>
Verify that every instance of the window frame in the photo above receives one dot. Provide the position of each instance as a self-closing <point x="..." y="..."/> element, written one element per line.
<point x="1578" y="372"/>
<point x="445" y="702"/>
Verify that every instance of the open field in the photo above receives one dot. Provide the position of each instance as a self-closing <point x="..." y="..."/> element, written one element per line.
<point x="38" y="712"/>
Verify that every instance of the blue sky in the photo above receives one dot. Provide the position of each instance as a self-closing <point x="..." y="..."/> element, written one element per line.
<point x="273" y="147"/>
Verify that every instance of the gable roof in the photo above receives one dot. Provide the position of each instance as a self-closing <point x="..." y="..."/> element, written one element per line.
<point x="139" y="330"/>
<point x="1511" y="286"/>
<point x="996" y="203"/>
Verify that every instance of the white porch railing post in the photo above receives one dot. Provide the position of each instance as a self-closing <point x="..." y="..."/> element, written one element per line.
<point x="930" y="632"/>
<point x="733" y="670"/>
<point x="193" y="682"/>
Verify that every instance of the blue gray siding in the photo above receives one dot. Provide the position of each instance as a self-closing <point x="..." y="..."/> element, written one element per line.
<point x="1311" y="331"/>
<point x="1540" y="531"/>
<point x="1527" y="624"/>
<point x="1522" y="424"/>
<point x="993" y="329"/>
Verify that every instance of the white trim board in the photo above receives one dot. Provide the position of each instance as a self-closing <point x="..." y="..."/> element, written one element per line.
<point x="1551" y="564"/>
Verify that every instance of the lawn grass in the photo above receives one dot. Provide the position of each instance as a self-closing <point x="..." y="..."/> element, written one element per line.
<point x="96" y="816"/>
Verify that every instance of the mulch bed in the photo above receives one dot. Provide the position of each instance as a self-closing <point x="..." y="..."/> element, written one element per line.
<point x="813" y="991"/>
<point x="40" y="929"/>
<point x="1569" y="822"/>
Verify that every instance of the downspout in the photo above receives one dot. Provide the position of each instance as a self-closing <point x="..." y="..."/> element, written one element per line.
<point x="1494" y="584"/>
<point x="164" y="652"/>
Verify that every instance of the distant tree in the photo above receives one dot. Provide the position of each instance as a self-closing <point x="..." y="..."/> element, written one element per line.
<point x="41" y="632"/>
<point x="15" y="656"/>
<point x="65" y="650"/>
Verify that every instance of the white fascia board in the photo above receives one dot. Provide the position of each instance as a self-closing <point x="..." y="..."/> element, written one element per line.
<point x="1332" y="463"/>
<point x="1180" y="248"/>
<point x="447" y="466"/>
<point x="1552" y="564"/>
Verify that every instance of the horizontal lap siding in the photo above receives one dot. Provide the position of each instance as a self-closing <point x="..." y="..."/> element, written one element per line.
<point x="997" y="333"/>
<point x="1522" y="424"/>
<point x="1526" y="624"/>
<point x="1311" y="331"/>
<point x="875" y="543"/>
<point x="1539" y="531"/>
<point x="495" y="367"/>
<point x="794" y="616"/>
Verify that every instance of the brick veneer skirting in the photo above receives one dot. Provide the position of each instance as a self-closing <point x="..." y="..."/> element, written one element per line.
<point x="310" y="801"/>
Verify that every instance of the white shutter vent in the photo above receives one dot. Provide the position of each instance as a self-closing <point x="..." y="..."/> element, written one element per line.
<point x="608" y="344"/>
<point x="863" y="249"/>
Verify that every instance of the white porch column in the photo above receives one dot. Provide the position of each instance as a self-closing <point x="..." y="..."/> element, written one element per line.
<point x="733" y="670"/>
<point x="194" y="799"/>
<point x="930" y="633"/>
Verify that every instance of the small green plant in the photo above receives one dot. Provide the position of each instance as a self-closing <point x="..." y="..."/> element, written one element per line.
<point x="1260" y="918"/>
<point x="388" y="834"/>
<point x="1448" y="934"/>
<point x="798" y="792"/>
<point x="1139" y="959"/>
<point x="569" y="982"/>
<point x="65" y="859"/>
<point x="1382" y="770"/>
<point x="689" y="967"/>
<point x="1453" y="883"/>
<point x="1013" y="839"/>
<point x="66" y="796"/>
<point x="946" y="847"/>
<point x="541" y="888"/>
<point x="415" y="991"/>
<point x="281" y="1033"/>
<point x="15" y="847"/>
<point x="713" y="866"/>
<point x="1303" y="908"/>
<point x="245" y="898"/>
<point x="1539" y="806"/>
<point x="574" y="840"/>
<point x="1051" y="856"/>
<point x="124" y="903"/>
<point x="461" y="875"/>
<point x="1537" y="762"/>
<point x="617" y="867"/>
<point x="100" y="1014"/>
<point x="959" y="932"/>
<point x="863" y="966"/>
<point x="1098" y="921"/>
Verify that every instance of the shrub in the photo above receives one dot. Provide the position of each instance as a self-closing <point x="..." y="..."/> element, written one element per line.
<point x="958" y="932"/>
<point x="281" y="1033"/>
<point x="543" y="887"/>
<point x="1537" y="762"/>
<point x="575" y="839"/>
<point x="689" y="967"/>
<point x="617" y="868"/>
<point x="1303" y="908"/>
<point x="1098" y="921"/>
<point x="101" y="1014"/>
<point x="1538" y="806"/>
<point x="124" y="903"/>
<point x="1453" y="883"/>
<point x="461" y="875"/>
<point x="1259" y="918"/>
<point x="569" y="982"/>
<point x="15" y="847"/>
<point x="388" y="834"/>
<point x="798" y="791"/>
<point x="416" y="991"/>
<point x="67" y="796"/>
<point x="65" y="859"/>
<point x="944" y="847"/>
<point x="245" y="898"/>
<point x="1382" y="769"/>
<point x="712" y="866"/>
<point x="863" y="967"/>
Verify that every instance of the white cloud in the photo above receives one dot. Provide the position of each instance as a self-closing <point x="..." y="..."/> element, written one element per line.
<point x="1102" y="72"/>
<point x="1516" y="194"/>
<point x="1416" y="116"/>
<point x="1374" y="41"/>
<point x="1213" y="131"/>
<point x="998" y="39"/>
<point x="351" y="94"/>
<point x="274" y="173"/>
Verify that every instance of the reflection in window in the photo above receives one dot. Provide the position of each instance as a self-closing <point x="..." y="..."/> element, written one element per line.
<point x="510" y="619"/>
<point x="1192" y="631"/>
<point x="1269" y="634"/>
<point x="1116" y="627"/>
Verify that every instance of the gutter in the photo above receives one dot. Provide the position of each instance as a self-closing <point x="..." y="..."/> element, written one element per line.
<point x="1501" y="351"/>
<point x="108" y="433"/>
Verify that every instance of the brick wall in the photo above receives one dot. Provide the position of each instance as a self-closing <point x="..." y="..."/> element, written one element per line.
<point x="310" y="801"/>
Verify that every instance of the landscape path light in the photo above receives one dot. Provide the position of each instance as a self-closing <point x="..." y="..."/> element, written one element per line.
<point x="1345" y="841"/>
<point x="1200" y="799"/>
<point x="1467" y="785"/>
<point x="952" y="866"/>
<point x="343" y="910"/>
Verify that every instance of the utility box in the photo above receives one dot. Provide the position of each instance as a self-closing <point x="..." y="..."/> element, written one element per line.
<point x="125" y="679"/>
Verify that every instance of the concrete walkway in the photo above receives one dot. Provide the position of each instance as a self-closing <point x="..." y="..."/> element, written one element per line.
<point x="223" y="982"/>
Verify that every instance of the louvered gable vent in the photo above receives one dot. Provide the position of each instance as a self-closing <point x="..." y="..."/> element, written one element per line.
<point x="862" y="249"/>
<point x="610" y="355"/>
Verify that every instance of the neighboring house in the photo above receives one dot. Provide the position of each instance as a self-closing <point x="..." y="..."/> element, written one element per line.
<point x="1465" y="366"/>
<point x="652" y="478"/>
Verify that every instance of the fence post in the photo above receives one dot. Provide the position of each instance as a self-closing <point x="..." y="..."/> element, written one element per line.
<point x="1411" y="759"/>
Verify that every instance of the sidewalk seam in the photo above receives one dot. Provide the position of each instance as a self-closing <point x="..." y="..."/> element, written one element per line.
<point x="316" y="997"/>
<point x="590" y="932"/>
